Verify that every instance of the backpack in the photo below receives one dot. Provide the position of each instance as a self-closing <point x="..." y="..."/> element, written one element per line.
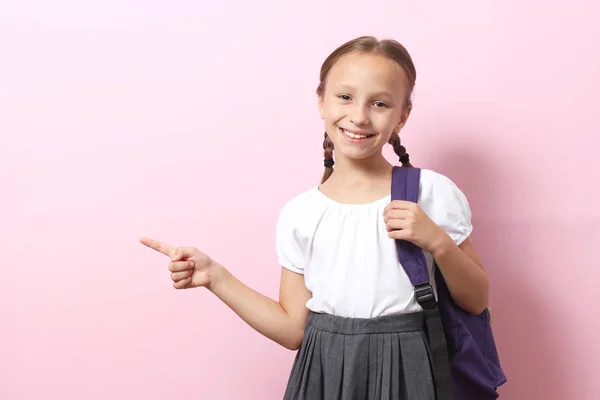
<point x="464" y="355"/>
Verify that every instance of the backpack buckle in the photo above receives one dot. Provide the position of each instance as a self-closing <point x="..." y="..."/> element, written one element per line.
<point x="425" y="296"/>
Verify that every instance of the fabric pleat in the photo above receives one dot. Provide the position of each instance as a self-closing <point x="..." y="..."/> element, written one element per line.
<point x="384" y="358"/>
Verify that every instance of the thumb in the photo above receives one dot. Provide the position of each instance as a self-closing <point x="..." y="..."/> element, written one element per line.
<point x="182" y="253"/>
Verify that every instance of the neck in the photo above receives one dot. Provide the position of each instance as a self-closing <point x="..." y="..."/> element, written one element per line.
<point x="348" y="171"/>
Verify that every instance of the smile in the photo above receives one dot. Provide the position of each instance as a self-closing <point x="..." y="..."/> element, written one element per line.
<point x="355" y="135"/>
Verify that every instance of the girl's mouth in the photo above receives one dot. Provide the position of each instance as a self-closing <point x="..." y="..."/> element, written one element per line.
<point x="355" y="136"/>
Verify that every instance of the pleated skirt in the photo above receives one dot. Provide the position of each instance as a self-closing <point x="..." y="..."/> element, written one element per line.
<point x="384" y="358"/>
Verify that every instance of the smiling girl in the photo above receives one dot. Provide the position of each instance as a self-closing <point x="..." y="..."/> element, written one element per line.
<point x="345" y="303"/>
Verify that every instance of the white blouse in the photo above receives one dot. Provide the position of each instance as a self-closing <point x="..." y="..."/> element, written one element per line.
<point x="349" y="263"/>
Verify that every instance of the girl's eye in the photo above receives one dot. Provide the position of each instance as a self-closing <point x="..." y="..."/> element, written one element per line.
<point x="380" y="104"/>
<point x="344" y="97"/>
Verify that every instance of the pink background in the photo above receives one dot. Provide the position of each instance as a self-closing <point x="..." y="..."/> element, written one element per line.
<point x="193" y="124"/>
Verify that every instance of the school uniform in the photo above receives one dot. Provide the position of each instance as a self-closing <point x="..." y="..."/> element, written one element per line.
<point x="364" y="336"/>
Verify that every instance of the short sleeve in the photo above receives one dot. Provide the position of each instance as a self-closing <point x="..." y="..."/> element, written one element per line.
<point x="290" y="253"/>
<point x="446" y="204"/>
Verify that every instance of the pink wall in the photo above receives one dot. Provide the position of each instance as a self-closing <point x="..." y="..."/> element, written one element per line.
<point x="194" y="124"/>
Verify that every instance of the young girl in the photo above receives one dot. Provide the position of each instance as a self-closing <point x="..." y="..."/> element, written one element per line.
<point x="345" y="302"/>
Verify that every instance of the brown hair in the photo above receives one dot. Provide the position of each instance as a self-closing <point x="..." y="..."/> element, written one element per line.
<point x="368" y="44"/>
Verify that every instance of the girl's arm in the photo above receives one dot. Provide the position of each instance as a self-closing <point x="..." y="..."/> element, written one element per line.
<point x="282" y="321"/>
<point x="460" y="265"/>
<point x="464" y="273"/>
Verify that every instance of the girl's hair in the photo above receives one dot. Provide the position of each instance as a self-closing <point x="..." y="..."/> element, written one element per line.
<point x="388" y="48"/>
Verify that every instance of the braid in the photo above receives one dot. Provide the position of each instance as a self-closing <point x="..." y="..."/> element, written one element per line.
<point x="328" y="156"/>
<point x="400" y="150"/>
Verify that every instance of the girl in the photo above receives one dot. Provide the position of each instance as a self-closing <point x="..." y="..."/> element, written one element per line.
<point x="345" y="302"/>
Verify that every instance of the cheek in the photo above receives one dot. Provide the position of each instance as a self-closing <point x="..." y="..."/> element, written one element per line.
<point x="331" y="111"/>
<point x="385" y="123"/>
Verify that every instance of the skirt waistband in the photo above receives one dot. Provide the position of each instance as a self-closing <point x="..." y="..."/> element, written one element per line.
<point x="359" y="326"/>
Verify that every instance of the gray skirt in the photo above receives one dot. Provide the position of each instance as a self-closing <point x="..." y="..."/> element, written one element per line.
<point x="384" y="358"/>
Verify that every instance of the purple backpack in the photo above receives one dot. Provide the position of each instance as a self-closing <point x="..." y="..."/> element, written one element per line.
<point x="464" y="356"/>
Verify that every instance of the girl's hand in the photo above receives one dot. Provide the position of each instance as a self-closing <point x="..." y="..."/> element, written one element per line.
<point x="189" y="267"/>
<point x="406" y="220"/>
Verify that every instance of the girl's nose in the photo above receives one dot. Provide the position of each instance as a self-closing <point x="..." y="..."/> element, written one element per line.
<point x="359" y="116"/>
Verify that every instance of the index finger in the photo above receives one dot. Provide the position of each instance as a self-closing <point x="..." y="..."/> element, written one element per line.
<point x="397" y="204"/>
<point x="158" y="246"/>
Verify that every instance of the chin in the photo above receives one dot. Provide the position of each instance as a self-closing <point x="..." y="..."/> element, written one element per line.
<point x="357" y="155"/>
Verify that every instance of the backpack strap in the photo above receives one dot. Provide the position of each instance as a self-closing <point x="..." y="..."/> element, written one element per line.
<point x="405" y="186"/>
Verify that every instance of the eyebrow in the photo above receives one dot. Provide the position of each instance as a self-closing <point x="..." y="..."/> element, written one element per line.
<point x="380" y="93"/>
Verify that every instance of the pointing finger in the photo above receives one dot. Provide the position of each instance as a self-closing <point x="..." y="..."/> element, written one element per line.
<point x="158" y="246"/>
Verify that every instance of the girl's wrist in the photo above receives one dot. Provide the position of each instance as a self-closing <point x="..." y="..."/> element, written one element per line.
<point x="217" y="272"/>
<point x="441" y="244"/>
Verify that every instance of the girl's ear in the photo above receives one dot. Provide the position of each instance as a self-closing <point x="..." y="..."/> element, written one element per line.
<point x="403" y="119"/>
<point x="320" y="104"/>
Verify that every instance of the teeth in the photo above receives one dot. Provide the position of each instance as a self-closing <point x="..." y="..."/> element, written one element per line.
<point x="353" y="135"/>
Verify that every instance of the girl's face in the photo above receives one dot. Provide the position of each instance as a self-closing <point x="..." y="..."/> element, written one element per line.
<point x="363" y="104"/>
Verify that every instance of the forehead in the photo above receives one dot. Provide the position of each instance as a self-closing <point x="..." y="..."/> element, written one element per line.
<point x="369" y="72"/>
